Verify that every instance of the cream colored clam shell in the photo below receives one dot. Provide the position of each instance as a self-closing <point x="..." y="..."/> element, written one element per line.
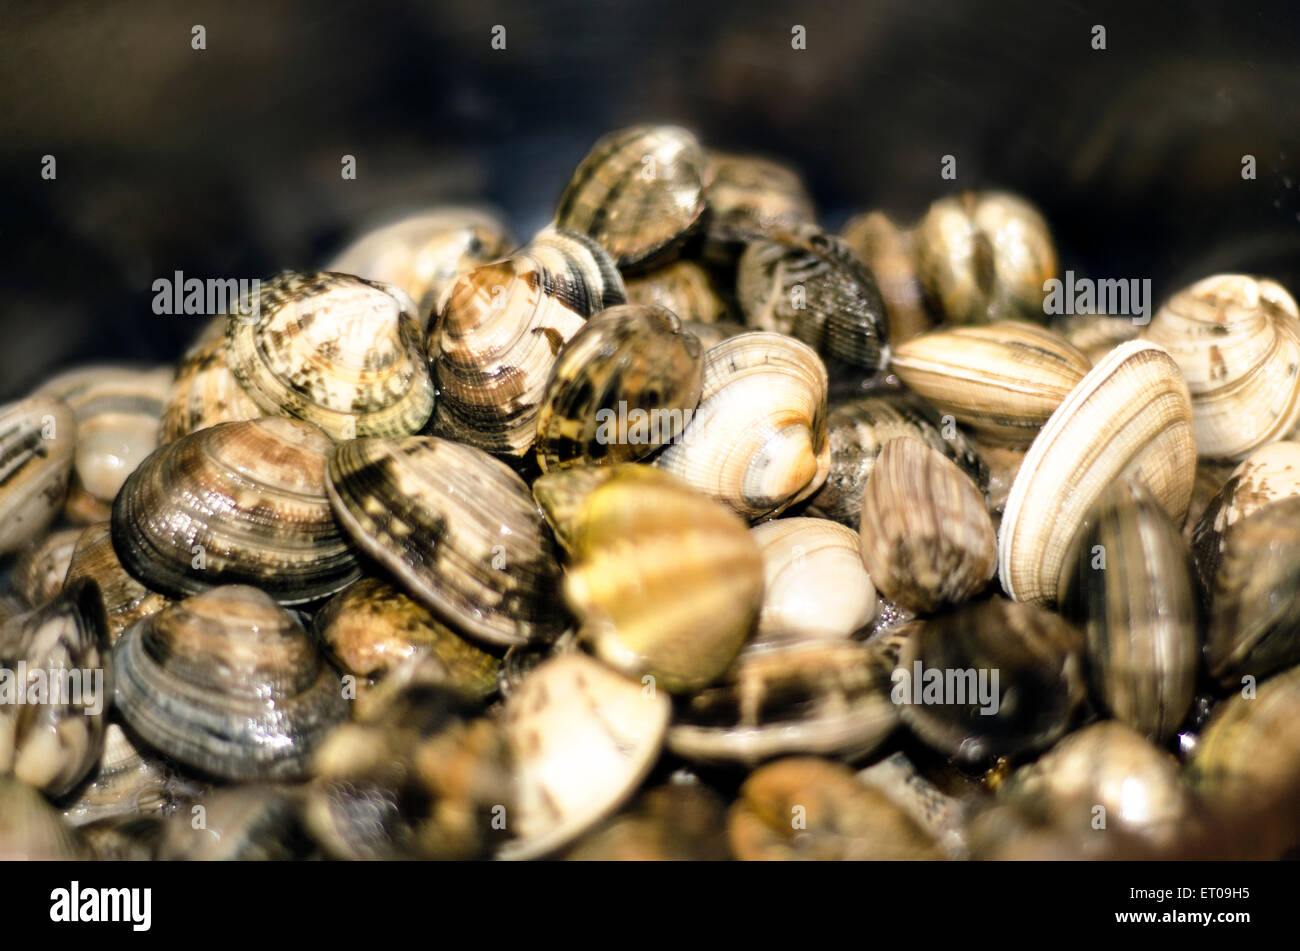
<point x="815" y="583"/>
<point x="1130" y="416"/>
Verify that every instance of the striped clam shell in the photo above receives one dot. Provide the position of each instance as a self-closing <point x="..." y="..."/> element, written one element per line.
<point x="1237" y="340"/>
<point x="625" y="384"/>
<point x="230" y="683"/>
<point x="640" y="192"/>
<point x="813" y="286"/>
<point x="757" y="441"/>
<point x="204" y="393"/>
<point x="334" y="350"/>
<point x="39" y="571"/>
<point x="37" y="447"/>
<point x="683" y="287"/>
<point x="457" y="527"/>
<point x="1131" y="416"/>
<point x="751" y="196"/>
<point x="237" y="503"/>
<point x="125" y="600"/>
<point x="1003" y="380"/>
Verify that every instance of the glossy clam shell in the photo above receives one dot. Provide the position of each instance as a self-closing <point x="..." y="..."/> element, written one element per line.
<point x="41" y="567"/>
<point x="37" y="446"/>
<point x="124" y="599"/>
<point x="228" y="682"/>
<point x="457" y="527"/>
<point x="640" y="192"/>
<point x="757" y="441"/>
<point x="927" y="539"/>
<point x="811" y="285"/>
<point x="1003" y="380"/>
<point x="333" y="350"/>
<point x="940" y="813"/>
<point x="238" y="503"/>
<point x="583" y="739"/>
<point x="204" y="393"/>
<point x="684" y="288"/>
<point x="1130" y="416"/>
<point x="1237" y="340"/>
<point x="888" y="251"/>
<point x="750" y="196"/>
<point x="625" y="384"/>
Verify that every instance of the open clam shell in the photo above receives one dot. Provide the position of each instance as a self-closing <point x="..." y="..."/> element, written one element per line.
<point x="38" y="439"/>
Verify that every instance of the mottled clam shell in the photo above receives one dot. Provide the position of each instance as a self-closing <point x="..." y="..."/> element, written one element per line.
<point x="204" y="393"/>
<point x="31" y="830"/>
<point x="811" y="285"/>
<point x="457" y="527"/>
<point x="230" y="683"/>
<point x="757" y="441"/>
<point x="814" y="581"/>
<point x="667" y="584"/>
<point x="1003" y="380"/>
<point x="583" y="738"/>
<point x="1237" y="340"/>
<point x="640" y="192"/>
<point x="1128" y="582"/>
<point x="750" y="196"/>
<point x="424" y="252"/>
<point x="684" y="288"/>
<point x="334" y="350"/>
<point x="39" y="571"/>
<point x="37" y="446"/>
<point x="859" y="429"/>
<point x="625" y="384"/>
<point x="888" y="251"/>
<point x="124" y="599"/>
<point x="128" y="782"/>
<point x="1131" y="416"/>
<point x="52" y="724"/>
<point x="985" y="256"/>
<point x="1211" y="476"/>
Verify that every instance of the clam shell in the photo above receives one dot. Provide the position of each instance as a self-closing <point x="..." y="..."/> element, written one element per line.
<point x="204" y="393"/>
<point x="457" y="527"/>
<point x="710" y="335"/>
<point x="1237" y="340"/>
<point x="811" y="285"/>
<point x="751" y="196"/>
<point x="757" y="442"/>
<point x="333" y="350"/>
<point x="639" y="192"/>
<point x="583" y="739"/>
<point x="943" y="816"/>
<point x="41" y="567"/>
<point x="124" y="599"/>
<point x="230" y="683"/>
<point x="1130" y="417"/>
<point x="888" y="251"/>
<point x="674" y="822"/>
<point x="1095" y="335"/>
<point x="684" y="288"/>
<point x="238" y="503"/>
<point x="666" y="583"/>
<point x="127" y="782"/>
<point x="30" y="830"/>
<point x="1003" y="380"/>
<point x="37" y="444"/>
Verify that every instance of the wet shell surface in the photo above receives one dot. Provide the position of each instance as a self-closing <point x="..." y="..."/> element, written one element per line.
<point x="814" y="581"/>
<point x="39" y="571"/>
<point x="1003" y="380"/>
<point x="625" y="384"/>
<point x="457" y="527"/>
<point x="751" y="196"/>
<point x="888" y="251"/>
<point x="666" y="584"/>
<point x="37" y="446"/>
<point x="1237" y="340"/>
<point x="1130" y="417"/>
<point x="583" y="738"/>
<point x="333" y="350"/>
<point x="230" y="683"/>
<point x="128" y="782"/>
<point x="684" y="288"/>
<point x="811" y="285"/>
<point x="124" y="599"/>
<point x="757" y="441"/>
<point x="640" y="192"/>
<point x="204" y="393"/>
<point x="238" y="503"/>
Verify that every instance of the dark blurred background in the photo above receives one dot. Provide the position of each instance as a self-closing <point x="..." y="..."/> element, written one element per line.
<point x="225" y="162"/>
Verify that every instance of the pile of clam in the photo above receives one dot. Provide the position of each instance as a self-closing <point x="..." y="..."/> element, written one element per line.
<point x="685" y="529"/>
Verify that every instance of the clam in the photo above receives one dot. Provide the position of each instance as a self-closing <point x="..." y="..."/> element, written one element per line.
<point x="809" y="808"/>
<point x="561" y="493"/>
<point x="1095" y="335"/>
<point x="251" y="823"/>
<point x="31" y="830"/>
<point x="1130" y="417"/>
<point x="457" y="527"/>
<point x="1211" y="476"/>
<point x="583" y="739"/>
<point x="927" y="539"/>
<point x="54" y="691"/>
<point x="499" y="330"/>
<point x="984" y="256"/>
<point x="859" y="429"/>
<point x="238" y="503"/>
<point x="1003" y="380"/>
<point x="37" y="446"/>
<point x="229" y="683"/>
<point x="814" y="581"/>
<point x="204" y="393"/>
<point x="625" y="384"/>
<point x="750" y="196"/>
<point x="811" y="285"/>
<point x="993" y="678"/>
<point x="640" y="192"/>
<point x="127" y="783"/>
<point x="683" y="287"/>
<point x="424" y="252"/>
<point x="888" y="251"/>
<point x="1128" y="582"/>
<point x="710" y="335"/>
<point x="757" y="442"/>
<point x="942" y="815"/>
<point x="674" y="822"/>
<point x="1237" y="340"/>
<point x="333" y="350"/>
<point x="666" y="584"/>
<point x="41" y="567"/>
<point x="124" y="599"/>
